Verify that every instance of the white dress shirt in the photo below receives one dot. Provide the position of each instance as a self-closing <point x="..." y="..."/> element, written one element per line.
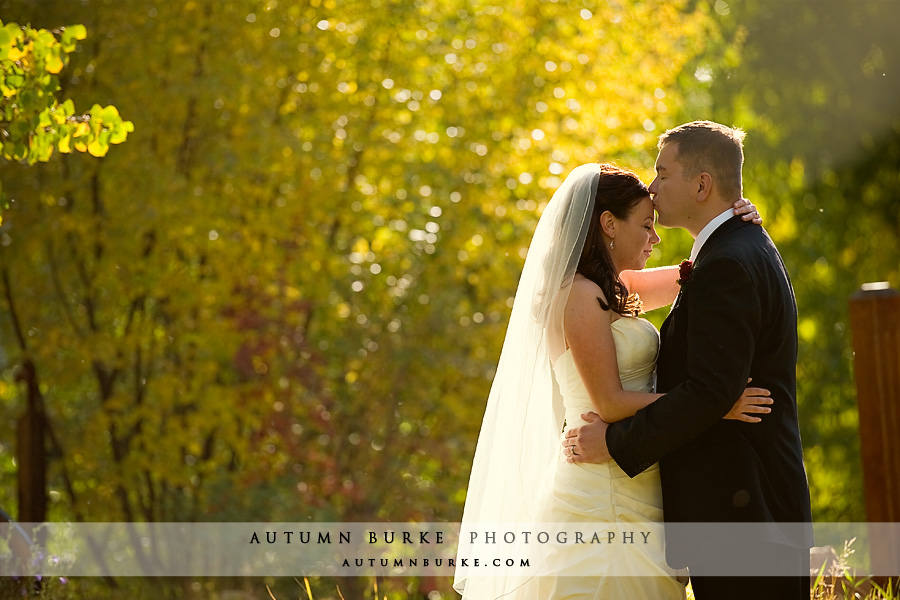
<point x="708" y="231"/>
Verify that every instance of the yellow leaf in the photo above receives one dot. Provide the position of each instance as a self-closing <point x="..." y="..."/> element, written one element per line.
<point x="97" y="149"/>
<point x="16" y="54"/>
<point x="81" y="130"/>
<point x="54" y="64"/>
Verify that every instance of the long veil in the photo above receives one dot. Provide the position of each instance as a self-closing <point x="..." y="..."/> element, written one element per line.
<point x="518" y="447"/>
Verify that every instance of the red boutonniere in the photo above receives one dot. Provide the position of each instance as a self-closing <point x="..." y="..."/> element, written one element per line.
<point x="685" y="270"/>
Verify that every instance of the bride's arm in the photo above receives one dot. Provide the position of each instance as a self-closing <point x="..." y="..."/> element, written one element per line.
<point x="657" y="287"/>
<point x="588" y="330"/>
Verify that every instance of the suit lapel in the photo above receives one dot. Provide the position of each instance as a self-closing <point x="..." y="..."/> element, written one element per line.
<point x="717" y="236"/>
<point x="676" y="303"/>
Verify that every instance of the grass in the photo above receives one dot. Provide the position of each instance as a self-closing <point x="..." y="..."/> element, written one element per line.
<point x="836" y="584"/>
<point x="840" y="583"/>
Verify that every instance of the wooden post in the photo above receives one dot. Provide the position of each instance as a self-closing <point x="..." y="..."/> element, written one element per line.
<point x="875" y="323"/>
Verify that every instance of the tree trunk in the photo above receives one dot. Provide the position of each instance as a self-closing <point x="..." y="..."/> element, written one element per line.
<point x="30" y="451"/>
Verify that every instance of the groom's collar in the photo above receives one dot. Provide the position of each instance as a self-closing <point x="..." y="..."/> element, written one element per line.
<point x="732" y="224"/>
<point x="707" y="231"/>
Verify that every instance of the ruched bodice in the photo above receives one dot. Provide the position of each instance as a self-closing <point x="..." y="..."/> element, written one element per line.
<point x="637" y="345"/>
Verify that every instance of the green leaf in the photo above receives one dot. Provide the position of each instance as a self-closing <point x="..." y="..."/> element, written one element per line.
<point x="15" y="80"/>
<point x="20" y="151"/>
<point x="109" y="114"/>
<point x="118" y="134"/>
<point x="50" y="84"/>
<point x="45" y="38"/>
<point x="71" y="35"/>
<point x="28" y="101"/>
<point x="13" y="30"/>
<point x="19" y="129"/>
<point x="41" y="148"/>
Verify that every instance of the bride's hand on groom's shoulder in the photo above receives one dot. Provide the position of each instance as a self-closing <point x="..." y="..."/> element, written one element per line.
<point x="747" y="210"/>
<point x="587" y="444"/>
<point x="754" y="401"/>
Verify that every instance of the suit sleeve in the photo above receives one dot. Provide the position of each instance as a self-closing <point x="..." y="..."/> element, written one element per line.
<point x="724" y="322"/>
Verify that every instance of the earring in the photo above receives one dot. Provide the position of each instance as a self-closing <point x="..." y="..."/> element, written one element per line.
<point x="611" y="246"/>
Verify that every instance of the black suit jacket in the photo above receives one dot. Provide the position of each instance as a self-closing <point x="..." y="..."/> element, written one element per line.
<point x="735" y="318"/>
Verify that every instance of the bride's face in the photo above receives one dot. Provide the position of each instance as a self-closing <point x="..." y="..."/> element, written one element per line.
<point x="635" y="237"/>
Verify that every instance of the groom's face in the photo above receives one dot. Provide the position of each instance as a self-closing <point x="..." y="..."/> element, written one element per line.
<point x="672" y="193"/>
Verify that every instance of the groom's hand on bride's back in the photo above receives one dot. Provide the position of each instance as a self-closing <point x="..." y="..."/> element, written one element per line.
<point x="587" y="444"/>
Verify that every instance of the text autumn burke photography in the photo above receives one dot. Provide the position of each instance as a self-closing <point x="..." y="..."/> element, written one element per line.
<point x="426" y="538"/>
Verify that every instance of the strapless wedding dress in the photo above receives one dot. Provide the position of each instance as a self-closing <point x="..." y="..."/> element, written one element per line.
<point x="603" y="498"/>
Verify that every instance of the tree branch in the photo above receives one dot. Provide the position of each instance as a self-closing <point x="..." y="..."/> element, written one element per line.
<point x="14" y="315"/>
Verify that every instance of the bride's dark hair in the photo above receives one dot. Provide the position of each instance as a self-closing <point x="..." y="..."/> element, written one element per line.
<point x="618" y="191"/>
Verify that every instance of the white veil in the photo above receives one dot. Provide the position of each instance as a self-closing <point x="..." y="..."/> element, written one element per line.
<point x="518" y="447"/>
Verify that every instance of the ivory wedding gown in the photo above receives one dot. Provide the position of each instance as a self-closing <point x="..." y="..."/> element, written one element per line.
<point x="603" y="498"/>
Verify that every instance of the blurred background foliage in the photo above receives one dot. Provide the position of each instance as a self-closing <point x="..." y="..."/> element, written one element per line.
<point x="283" y="297"/>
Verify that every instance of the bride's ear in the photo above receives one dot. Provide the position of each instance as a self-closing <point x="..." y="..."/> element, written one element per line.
<point x="608" y="224"/>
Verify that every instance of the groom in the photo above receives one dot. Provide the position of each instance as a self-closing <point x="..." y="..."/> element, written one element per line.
<point x="734" y="318"/>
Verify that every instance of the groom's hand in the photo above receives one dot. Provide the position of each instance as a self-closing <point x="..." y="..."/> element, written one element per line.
<point x="587" y="444"/>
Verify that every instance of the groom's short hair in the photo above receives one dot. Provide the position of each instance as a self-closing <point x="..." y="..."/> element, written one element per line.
<point x="704" y="146"/>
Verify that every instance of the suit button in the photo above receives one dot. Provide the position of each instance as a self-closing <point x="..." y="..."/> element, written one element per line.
<point x="644" y="466"/>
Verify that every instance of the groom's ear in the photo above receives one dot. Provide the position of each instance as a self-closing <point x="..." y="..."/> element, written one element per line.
<point x="704" y="186"/>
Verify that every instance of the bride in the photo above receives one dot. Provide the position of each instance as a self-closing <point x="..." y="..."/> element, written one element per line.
<point x="575" y="344"/>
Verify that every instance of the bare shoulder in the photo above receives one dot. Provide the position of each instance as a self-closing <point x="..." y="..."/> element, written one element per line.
<point x="584" y="286"/>
<point x="585" y="294"/>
